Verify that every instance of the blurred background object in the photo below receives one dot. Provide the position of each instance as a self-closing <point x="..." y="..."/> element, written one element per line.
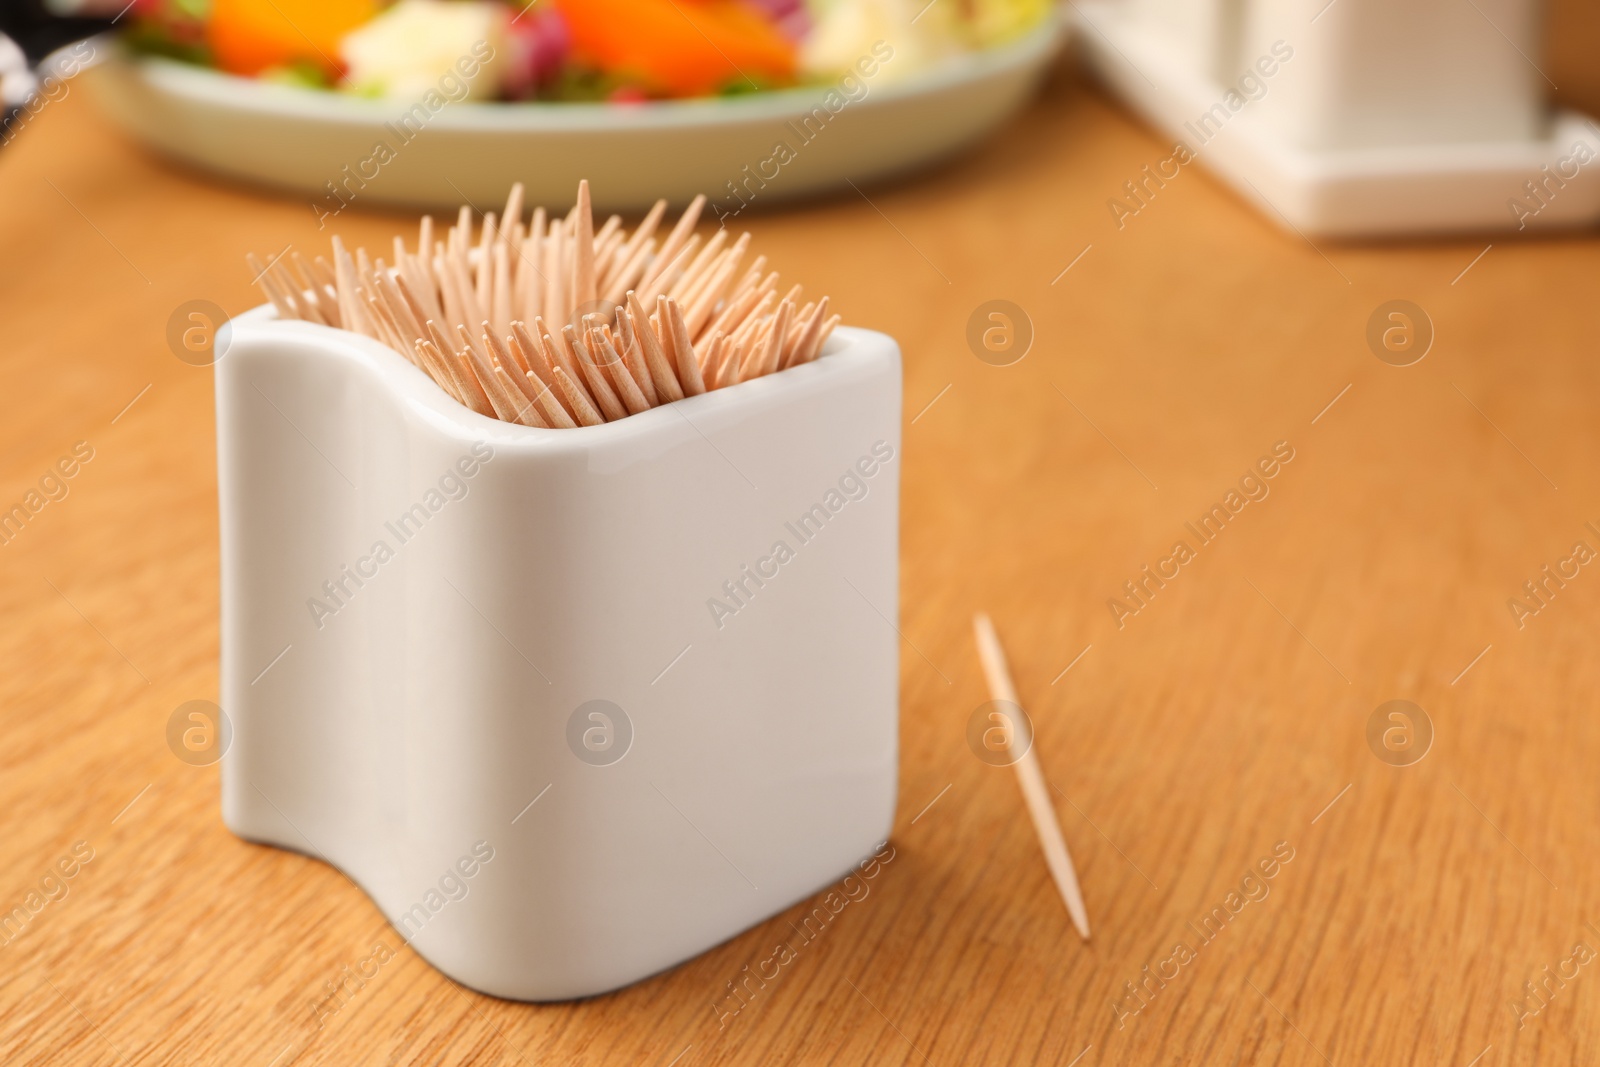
<point x="17" y="82"/>
<point x="1358" y="117"/>
<point x="39" y="27"/>
<point x="31" y="33"/>
<point x="747" y="101"/>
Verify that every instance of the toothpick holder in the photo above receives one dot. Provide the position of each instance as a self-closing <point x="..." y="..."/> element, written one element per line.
<point x="572" y="706"/>
<point x="1355" y="118"/>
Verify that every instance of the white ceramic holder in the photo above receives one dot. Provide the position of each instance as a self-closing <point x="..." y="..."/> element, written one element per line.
<point x="1388" y="118"/>
<point x="421" y="606"/>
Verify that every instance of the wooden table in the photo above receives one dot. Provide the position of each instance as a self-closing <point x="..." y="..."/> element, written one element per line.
<point x="1224" y="723"/>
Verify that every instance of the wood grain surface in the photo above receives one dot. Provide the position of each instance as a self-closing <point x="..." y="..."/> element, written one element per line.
<point x="1220" y="730"/>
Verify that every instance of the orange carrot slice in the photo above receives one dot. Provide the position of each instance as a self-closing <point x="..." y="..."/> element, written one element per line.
<point x="679" y="47"/>
<point x="249" y="36"/>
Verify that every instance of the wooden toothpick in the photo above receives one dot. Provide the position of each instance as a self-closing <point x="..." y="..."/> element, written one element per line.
<point x="1031" y="778"/>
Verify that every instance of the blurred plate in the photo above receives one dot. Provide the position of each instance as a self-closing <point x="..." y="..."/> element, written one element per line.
<point x="632" y="154"/>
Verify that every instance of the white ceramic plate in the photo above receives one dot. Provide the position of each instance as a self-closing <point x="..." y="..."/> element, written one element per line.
<point x="304" y="140"/>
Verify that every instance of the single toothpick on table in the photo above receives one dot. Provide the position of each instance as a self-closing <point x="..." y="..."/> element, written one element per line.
<point x="1031" y="777"/>
<point x="550" y="322"/>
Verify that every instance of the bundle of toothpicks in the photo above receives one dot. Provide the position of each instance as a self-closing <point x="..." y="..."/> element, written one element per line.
<point x="552" y="323"/>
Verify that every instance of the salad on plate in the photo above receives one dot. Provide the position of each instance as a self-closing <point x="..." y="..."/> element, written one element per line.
<point x="621" y="51"/>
